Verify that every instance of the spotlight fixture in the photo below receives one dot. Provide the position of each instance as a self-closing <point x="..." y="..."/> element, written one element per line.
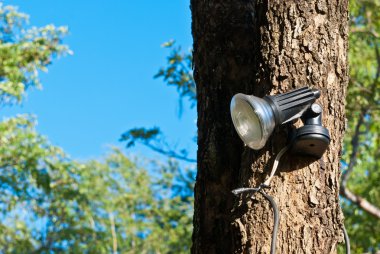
<point x="255" y="118"/>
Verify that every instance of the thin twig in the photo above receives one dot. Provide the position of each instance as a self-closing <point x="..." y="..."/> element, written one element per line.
<point x="169" y="153"/>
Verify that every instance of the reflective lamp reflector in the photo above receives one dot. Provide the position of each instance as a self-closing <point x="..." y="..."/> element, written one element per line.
<point x="253" y="119"/>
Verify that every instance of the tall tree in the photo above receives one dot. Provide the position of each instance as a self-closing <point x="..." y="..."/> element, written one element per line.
<point x="267" y="47"/>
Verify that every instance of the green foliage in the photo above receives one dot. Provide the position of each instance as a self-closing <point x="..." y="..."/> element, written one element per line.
<point x="178" y="72"/>
<point x="142" y="209"/>
<point x="139" y="134"/>
<point x="30" y="169"/>
<point x="363" y="109"/>
<point x="23" y="52"/>
<point x="85" y="208"/>
<point x="50" y="203"/>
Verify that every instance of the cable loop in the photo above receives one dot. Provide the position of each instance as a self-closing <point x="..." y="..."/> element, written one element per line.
<point x="276" y="217"/>
<point x="260" y="189"/>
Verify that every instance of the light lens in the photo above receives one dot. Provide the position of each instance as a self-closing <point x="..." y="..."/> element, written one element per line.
<point x="253" y="119"/>
<point x="246" y="121"/>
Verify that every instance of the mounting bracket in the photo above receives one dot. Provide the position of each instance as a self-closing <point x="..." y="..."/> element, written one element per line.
<point x="311" y="139"/>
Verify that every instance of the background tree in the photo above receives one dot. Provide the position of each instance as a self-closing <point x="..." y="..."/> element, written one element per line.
<point x="50" y="203"/>
<point x="361" y="174"/>
<point x="260" y="48"/>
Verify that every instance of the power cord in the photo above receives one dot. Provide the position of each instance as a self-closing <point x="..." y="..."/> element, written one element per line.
<point x="266" y="184"/>
<point x="346" y="240"/>
<point x="276" y="216"/>
<point x="275" y="164"/>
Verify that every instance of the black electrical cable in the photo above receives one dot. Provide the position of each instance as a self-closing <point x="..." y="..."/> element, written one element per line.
<point x="276" y="217"/>
<point x="346" y="240"/>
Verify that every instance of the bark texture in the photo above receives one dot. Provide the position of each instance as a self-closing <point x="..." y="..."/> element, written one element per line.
<point x="267" y="47"/>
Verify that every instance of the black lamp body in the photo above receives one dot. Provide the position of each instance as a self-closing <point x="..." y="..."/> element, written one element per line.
<point x="311" y="139"/>
<point x="292" y="105"/>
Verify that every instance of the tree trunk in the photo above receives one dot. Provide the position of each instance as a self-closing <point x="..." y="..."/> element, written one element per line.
<point x="265" y="47"/>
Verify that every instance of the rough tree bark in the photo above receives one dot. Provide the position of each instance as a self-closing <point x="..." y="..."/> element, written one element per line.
<point x="266" y="47"/>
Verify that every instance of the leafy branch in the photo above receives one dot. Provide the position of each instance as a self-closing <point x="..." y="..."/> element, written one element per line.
<point x="153" y="139"/>
<point x="179" y="73"/>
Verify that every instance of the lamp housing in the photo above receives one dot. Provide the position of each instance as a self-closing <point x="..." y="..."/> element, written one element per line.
<point x="255" y="118"/>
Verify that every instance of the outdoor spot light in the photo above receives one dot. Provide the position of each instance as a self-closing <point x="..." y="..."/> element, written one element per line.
<point x="255" y="119"/>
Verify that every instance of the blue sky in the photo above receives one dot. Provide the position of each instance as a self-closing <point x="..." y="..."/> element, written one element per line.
<point x="107" y="86"/>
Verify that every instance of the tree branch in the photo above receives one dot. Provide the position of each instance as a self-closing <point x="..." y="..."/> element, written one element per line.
<point x="169" y="153"/>
<point x="93" y="226"/>
<point x="361" y="202"/>
<point x="355" y="147"/>
<point x="151" y="139"/>
<point x="364" y="31"/>
<point x="344" y="191"/>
